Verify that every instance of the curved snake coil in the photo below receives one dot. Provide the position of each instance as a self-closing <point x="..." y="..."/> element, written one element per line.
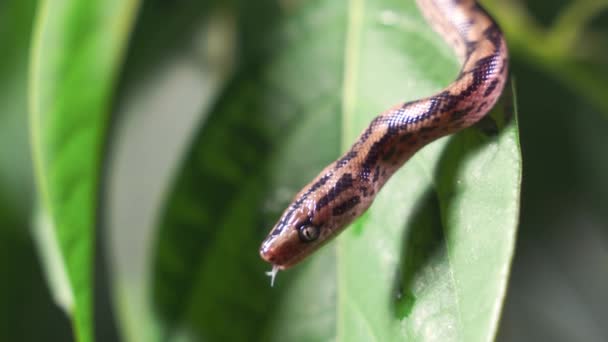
<point x="347" y="187"/>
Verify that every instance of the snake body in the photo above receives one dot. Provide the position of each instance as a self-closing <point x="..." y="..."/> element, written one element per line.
<point x="348" y="186"/>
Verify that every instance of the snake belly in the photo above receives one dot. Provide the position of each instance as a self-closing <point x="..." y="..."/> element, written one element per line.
<point x="348" y="186"/>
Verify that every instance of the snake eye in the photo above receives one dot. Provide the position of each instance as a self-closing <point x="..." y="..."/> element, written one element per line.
<point x="308" y="233"/>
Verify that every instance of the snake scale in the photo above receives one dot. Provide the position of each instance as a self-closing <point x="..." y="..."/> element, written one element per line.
<point x="348" y="186"/>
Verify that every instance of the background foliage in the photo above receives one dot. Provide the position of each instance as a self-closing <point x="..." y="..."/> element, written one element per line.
<point x="201" y="75"/>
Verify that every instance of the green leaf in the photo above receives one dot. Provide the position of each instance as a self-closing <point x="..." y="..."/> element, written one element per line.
<point x="15" y="167"/>
<point x="76" y="53"/>
<point x="430" y="259"/>
<point x="24" y="296"/>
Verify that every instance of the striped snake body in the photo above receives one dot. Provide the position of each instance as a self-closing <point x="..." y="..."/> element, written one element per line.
<point x="347" y="187"/>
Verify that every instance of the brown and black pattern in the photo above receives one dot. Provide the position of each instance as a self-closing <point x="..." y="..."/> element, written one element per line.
<point x="347" y="187"/>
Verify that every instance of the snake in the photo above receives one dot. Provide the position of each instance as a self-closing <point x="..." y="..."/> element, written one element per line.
<point x="346" y="188"/>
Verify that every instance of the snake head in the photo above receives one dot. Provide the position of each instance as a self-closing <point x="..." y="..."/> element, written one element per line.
<point x="293" y="238"/>
<point x="318" y="213"/>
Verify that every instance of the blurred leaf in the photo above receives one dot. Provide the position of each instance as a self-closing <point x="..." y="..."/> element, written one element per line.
<point x="52" y="260"/>
<point x="77" y="50"/>
<point x="24" y="296"/>
<point x="565" y="49"/>
<point x="452" y="211"/>
<point x="171" y="77"/>
<point x="15" y="167"/>
<point x="235" y="181"/>
<point x="152" y="44"/>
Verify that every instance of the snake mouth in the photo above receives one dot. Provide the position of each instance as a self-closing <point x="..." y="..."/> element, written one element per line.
<point x="272" y="256"/>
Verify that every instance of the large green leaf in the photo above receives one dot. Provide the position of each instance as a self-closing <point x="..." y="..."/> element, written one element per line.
<point x="430" y="260"/>
<point x="208" y="273"/>
<point x="77" y="50"/>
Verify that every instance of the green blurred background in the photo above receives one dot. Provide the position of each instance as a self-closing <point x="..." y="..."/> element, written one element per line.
<point x="560" y="272"/>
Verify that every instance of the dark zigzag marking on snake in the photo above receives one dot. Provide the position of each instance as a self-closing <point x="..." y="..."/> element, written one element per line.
<point x="492" y="33"/>
<point x="346" y="206"/>
<point x="362" y="139"/>
<point x="441" y="103"/>
<point x="345" y="159"/>
<point x="345" y="182"/>
<point x="296" y="205"/>
<point x="374" y="151"/>
<point x="342" y="184"/>
<point x="491" y="88"/>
